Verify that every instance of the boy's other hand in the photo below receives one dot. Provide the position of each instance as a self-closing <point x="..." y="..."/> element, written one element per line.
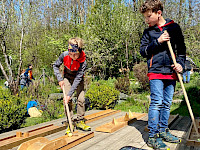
<point x="67" y="99"/>
<point x="164" y="37"/>
<point x="61" y="83"/>
<point x="178" y="68"/>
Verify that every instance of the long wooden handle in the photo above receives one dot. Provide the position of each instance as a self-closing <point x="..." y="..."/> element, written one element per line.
<point x="67" y="109"/>
<point x="183" y="88"/>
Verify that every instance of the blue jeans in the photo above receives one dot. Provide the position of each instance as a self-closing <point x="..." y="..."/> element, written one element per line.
<point x="22" y="86"/>
<point x="186" y="73"/>
<point x="159" y="110"/>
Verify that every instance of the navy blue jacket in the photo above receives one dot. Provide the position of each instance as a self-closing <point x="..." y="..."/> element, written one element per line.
<point x="158" y="56"/>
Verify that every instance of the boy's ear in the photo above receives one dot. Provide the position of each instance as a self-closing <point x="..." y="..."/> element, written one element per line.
<point x="159" y="13"/>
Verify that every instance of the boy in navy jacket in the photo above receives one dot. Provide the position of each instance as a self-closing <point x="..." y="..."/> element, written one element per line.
<point x="74" y="61"/>
<point x="161" y="70"/>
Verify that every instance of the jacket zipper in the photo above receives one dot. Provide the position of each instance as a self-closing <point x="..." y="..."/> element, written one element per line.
<point x="71" y="64"/>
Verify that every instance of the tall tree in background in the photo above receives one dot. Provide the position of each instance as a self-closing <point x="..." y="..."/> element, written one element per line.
<point x="8" y="72"/>
<point x="37" y="32"/>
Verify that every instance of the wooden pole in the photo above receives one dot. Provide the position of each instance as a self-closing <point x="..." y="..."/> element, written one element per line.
<point x="182" y="85"/>
<point x="67" y="109"/>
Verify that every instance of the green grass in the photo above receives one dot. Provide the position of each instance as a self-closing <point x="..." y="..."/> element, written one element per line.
<point x="133" y="105"/>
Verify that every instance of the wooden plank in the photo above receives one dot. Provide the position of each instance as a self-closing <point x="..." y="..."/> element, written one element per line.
<point x="99" y="115"/>
<point x="8" y="143"/>
<point x="192" y="138"/>
<point x="77" y="141"/>
<point x="102" y="140"/>
<point x="61" y="143"/>
<point x="119" y="123"/>
<point x="132" y="135"/>
<point x="26" y="144"/>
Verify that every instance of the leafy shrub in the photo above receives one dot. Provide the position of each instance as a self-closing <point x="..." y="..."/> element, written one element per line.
<point x="194" y="94"/>
<point x="102" y="96"/>
<point x="123" y="84"/>
<point x="140" y="72"/>
<point x="12" y="111"/>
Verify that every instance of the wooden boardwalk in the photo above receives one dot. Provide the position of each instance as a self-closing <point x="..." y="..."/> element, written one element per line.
<point x="131" y="135"/>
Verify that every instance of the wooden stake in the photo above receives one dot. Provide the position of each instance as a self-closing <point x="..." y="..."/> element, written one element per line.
<point x="182" y="85"/>
<point x="19" y="134"/>
<point x="114" y="121"/>
<point x="26" y="134"/>
<point x="130" y="114"/>
<point x="126" y="117"/>
<point x="67" y="109"/>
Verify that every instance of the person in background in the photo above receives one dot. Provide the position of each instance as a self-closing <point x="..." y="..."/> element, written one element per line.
<point x="29" y="75"/>
<point x="22" y="79"/>
<point x="188" y="68"/>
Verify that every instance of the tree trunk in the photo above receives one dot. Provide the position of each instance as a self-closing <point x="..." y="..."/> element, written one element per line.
<point x="180" y="11"/>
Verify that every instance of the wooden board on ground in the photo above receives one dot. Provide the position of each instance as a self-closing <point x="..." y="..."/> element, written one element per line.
<point x="61" y="143"/>
<point x="192" y="138"/>
<point x="120" y="122"/>
<point x="20" y="137"/>
<point x="172" y="119"/>
<point x="99" y="115"/>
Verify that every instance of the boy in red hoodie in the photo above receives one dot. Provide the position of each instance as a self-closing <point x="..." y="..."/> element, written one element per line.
<point x="74" y="61"/>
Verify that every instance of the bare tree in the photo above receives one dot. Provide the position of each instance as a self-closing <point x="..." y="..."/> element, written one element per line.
<point x="10" y="77"/>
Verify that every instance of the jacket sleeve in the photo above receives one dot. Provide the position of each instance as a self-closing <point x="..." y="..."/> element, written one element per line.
<point x="148" y="47"/>
<point x="56" y="67"/>
<point x="180" y="47"/>
<point x="26" y="73"/>
<point x="78" y="78"/>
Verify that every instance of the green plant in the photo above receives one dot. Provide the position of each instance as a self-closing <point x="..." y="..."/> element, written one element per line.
<point x="123" y="84"/>
<point x="140" y="106"/>
<point x="140" y="72"/>
<point x="102" y="96"/>
<point x="12" y="111"/>
<point x="193" y="94"/>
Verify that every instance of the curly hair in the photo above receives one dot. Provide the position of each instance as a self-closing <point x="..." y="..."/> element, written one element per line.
<point x="153" y="5"/>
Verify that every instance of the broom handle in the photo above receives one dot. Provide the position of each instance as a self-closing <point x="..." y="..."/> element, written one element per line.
<point x="67" y="109"/>
<point x="183" y="88"/>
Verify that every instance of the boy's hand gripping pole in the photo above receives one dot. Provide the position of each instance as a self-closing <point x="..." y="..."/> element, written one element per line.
<point x="183" y="88"/>
<point x="67" y="109"/>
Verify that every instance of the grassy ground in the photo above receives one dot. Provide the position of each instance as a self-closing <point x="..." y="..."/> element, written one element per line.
<point x="140" y="103"/>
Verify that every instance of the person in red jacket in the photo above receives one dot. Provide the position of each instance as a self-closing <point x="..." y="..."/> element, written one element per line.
<point x="29" y="75"/>
<point x="74" y="61"/>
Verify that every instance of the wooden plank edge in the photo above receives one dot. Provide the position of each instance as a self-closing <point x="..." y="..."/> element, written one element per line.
<point x="172" y="121"/>
<point x="189" y="141"/>
<point x="78" y="141"/>
<point x="103" y="128"/>
<point x="16" y="143"/>
<point x="102" y="116"/>
<point x="40" y="128"/>
<point x="6" y="138"/>
<point x="97" y="114"/>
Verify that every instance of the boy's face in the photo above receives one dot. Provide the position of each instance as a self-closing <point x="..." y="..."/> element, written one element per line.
<point x="74" y="56"/>
<point x="151" y="18"/>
